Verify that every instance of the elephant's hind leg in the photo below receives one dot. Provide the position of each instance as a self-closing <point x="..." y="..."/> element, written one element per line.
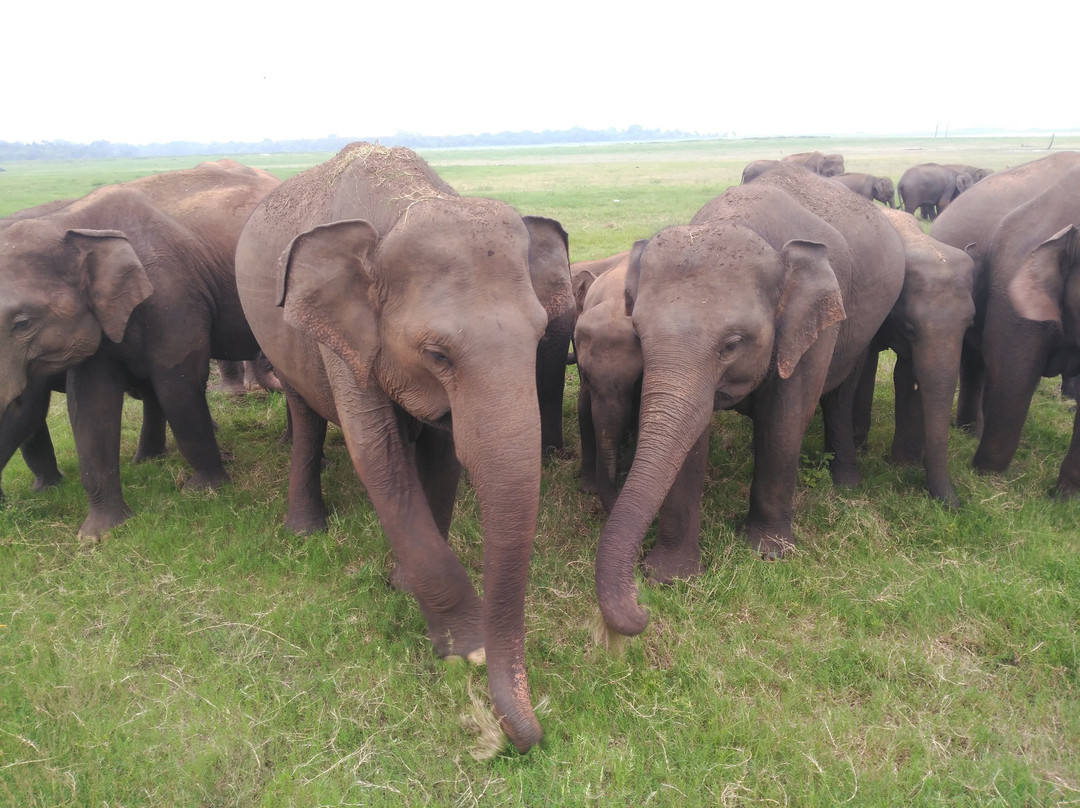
<point x="307" y="511"/>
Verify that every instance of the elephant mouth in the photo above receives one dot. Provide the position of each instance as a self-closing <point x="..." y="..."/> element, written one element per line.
<point x="444" y="422"/>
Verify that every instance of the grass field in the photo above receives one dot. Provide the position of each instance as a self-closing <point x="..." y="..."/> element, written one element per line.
<point x="202" y="656"/>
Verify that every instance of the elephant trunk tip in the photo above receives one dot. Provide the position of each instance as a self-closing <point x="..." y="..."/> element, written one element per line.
<point x="622" y="615"/>
<point x="494" y="735"/>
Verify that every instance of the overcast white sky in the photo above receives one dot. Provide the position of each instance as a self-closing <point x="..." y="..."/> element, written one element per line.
<point x="141" y="72"/>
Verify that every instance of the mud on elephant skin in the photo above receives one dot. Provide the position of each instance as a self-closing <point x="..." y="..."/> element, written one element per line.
<point x="766" y="303"/>
<point x="610" y="368"/>
<point x="133" y="286"/>
<point x="399" y="310"/>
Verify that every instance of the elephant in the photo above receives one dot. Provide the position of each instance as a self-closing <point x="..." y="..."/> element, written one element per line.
<point x="766" y="303"/>
<point x="610" y="367"/>
<point x="926" y="329"/>
<point x="977" y="174"/>
<point x="876" y="189"/>
<point x="133" y="287"/>
<point x="756" y="168"/>
<point x="825" y="165"/>
<point x="584" y="273"/>
<point x="239" y="377"/>
<point x="406" y="314"/>
<point x="1030" y="314"/>
<point x="929" y="188"/>
<point x="970" y="225"/>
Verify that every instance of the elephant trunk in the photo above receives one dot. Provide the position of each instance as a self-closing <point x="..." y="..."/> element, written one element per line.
<point x="676" y="406"/>
<point x="497" y="437"/>
<point x="937" y="372"/>
<point x="611" y="417"/>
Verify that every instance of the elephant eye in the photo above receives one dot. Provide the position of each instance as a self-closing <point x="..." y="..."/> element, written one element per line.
<point x="729" y="347"/>
<point x="438" y="357"/>
<point x="20" y="323"/>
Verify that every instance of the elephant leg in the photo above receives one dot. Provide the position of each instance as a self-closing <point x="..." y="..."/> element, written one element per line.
<point x="907" y="444"/>
<point x="837" y="410"/>
<point x="95" y="400"/>
<point x="1068" y="484"/>
<point x="152" y="434"/>
<point x="24" y="426"/>
<point x="781" y="411"/>
<point x="40" y="458"/>
<point x="969" y="397"/>
<point x="587" y="432"/>
<point x="307" y="511"/>
<point x="551" y="355"/>
<point x="863" y="405"/>
<point x="677" y="552"/>
<point x="181" y="393"/>
<point x="232" y="377"/>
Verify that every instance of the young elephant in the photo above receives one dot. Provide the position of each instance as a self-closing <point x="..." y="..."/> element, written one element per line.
<point x="132" y="286"/>
<point x="926" y="329"/>
<point x="610" y="366"/>
<point x="399" y="310"/>
<point x="876" y="189"/>
<point x="824" y="165"/>
<point x="930" y="188"/>
<point x="759" y="305"/>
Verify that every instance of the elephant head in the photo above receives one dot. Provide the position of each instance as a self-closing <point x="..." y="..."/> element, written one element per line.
<point x="439" y="315"/>
<point x="63" y="289"/>
<point x="964" y="182"/>
<point x="885" y="191"/>
<point x="1047" y="287"/>
<point x="717" y="311"/>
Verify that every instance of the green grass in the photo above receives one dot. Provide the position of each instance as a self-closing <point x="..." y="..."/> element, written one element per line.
<point x="201" y="655"/>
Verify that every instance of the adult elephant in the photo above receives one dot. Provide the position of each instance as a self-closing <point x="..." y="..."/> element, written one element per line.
<point x="930" y="188"/>
<point x="925" y="329"/>
<point x="610" y="366"/>
<point x="824" y="165"/>
<point x="1032" y="311"/>
<point x="392" y="306"/>
<point x="133" y="287"/>
<point x="970" y="225"/>
<point x="761" y="305"/>
<point x="869" y="186"/>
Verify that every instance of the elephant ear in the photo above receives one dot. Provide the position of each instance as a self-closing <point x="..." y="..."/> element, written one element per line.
<point x="633" y="274"/>
<point x="963" y="182"/>
<point x="325" y="288"/>
<point x="583" y="280"/>
<point x="113" y="278"/>
<point x="1038" y="289"/>
<point x="810" y="302"/>
<point x="549" y="264"/>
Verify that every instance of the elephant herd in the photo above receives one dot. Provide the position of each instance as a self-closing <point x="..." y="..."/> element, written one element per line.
<point x="434" y="330"/>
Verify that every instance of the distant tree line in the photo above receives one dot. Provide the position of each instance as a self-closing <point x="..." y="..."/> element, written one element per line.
<point x="65" y="150"/>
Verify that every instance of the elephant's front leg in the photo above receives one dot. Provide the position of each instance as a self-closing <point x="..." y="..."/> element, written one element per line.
<point x="386" y="464"/>
<point x="152" y="434"/>
<point x="677" y="552"/>
<point x="95" y="400"/>
<point x="908" y="432"/>
<point x="587" y="432"/>
<point x="24" y="426"/>
<point x="1068" y="484"/>
<point x="307" y="510"/>
<point x="181" y="392"/>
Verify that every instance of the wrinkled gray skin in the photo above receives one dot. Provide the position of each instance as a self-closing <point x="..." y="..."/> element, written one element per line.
<point x="130" y="287"/>
<point x="610" y="367"/>
<point x="824" y="165"/>
<point x="930" y="188"/>
<point x="391" y="306"/>
<point x="1030" y="324"/>
<point x="760" y="305"/>
<point x="869" y="186"/>
<point x="755" y="168"/>
<point x="926" y="329"/>
<point x="241" y="377"/>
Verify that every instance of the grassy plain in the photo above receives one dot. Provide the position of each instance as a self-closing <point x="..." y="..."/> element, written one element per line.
<point x="201" y="655"/>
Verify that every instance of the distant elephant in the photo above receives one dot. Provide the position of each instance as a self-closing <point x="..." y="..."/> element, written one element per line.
<point x="584" y="273"/>
<point x="766" y="303"/>
<point x="610" y="366"/>
<point x="133" y="286"/>
<point x="977" y="174"/>
<point x="399" y="310"/>
<point x="926" y="329"/>
<point x="1031" y="314"/>
<point x="929" y="188"/>
<point x="971" y="226"/>
<point x="238" y="377"/>
<point x="755" y="168"/>
<point x="876" y="189"/>
<point x="824" y="165"/>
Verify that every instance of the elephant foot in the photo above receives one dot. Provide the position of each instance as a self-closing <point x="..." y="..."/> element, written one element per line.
<point x="770" y="547"/>
<point x="43" y="481"/>
<point x="398" y="580"/>
<point x="202" y="480"/>
<point x="146" y="455"/>
<point x="587" y="485"/>
<point x="845" y="475"/>
<point x="460" y="633"/>
<point x="663" y="565"/>
<point x="304" y="522"/>
<point x="101" y="520"/>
